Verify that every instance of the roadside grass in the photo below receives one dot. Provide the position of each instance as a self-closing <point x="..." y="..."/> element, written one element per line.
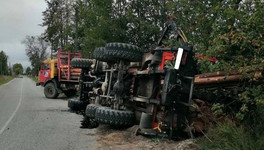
<point x="5" y="79"/>
<point x="229" y="136"/>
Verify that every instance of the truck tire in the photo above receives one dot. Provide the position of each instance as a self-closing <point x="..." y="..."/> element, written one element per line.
<point x="76" y="104"/>
<point x="124" y="51"/>
<point x="91" y="110"/>
<point x="81" y="63"/>
<point x="51" y="91"/>
<point x="115" y="51"/>
<point x="119" y="118"/>
<point x="123" y="46"/>
<point x="100" y="54"/>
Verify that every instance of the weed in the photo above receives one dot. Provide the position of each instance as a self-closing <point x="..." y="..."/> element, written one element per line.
<point x="228" y="136"/>
<point x="5" y="79"/>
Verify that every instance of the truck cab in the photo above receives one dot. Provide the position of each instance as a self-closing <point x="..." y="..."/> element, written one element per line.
<point x="48" y="70"/>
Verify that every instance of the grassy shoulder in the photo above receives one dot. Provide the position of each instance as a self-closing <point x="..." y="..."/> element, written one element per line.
<point x="230" y="136"/>
<point x="5" y="79"/>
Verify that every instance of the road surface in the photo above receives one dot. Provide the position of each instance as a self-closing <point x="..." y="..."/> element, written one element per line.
<point x="29" y="121"/>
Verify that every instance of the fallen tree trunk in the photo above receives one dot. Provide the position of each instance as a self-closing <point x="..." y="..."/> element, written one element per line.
<point x="247" y="70"/>
<point x="220" y="78"/>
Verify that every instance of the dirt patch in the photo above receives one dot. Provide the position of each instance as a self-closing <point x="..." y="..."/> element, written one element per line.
<point x="127" y="139"/>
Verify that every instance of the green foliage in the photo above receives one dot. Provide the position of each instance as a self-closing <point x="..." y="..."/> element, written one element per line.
<point x="218" y="108"/>
<point x="18" y="69"/>
<point x="246" y="108"/>
<point x="94" y="23"/>
<point x="3" y="63"/>
<point x="232" y="31"/>
<point x="156" y="140"/>
<point x="228" y="136"/>
<point x="236" y="38"/>
<point x="5" y="79"/>
<point x="57" y="19"/>
<point x="242" y="103"/>
<point x="28" y="71"/>
<point x="229" y="30"/>
<point x="252" y="109"/>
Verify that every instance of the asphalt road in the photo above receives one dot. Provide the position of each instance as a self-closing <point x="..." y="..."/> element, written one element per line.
<point x="29" y="121"/>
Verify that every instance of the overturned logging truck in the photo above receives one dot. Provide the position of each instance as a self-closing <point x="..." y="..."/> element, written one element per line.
<point x="124" y="85"/>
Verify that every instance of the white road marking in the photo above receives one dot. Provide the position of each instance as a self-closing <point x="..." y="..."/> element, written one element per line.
<point x="14" y="113"/>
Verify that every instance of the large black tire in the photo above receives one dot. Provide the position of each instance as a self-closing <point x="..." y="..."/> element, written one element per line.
<point x="91" y="110"/>
<point x="51" y="91"/>
<point x="120" y="118"/>
<point x="76" y="104"/>
<point x="81" y="63"/>
<point x="100" y="54"/>
<point x="116" y="51"/>
<point x="124" y="51"/>
<point x="123" y="46"/>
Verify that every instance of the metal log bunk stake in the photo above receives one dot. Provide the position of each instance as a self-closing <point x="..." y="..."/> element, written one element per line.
<point x="118" y="86"/>
<point x="104" y="88"/>
<point x="81" y="85"/>
<point x="110" y="82"/>
<point x="69" y="66"/>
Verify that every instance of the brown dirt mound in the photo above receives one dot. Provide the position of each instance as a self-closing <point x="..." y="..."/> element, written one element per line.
<point x="126" y="139"/>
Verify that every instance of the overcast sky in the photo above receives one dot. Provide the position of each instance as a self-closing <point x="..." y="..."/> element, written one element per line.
<point x="19" y="18"/>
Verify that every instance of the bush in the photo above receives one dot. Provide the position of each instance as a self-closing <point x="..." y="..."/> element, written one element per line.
<point x="245" y="106"/>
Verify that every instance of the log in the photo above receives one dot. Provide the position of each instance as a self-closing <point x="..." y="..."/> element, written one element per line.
<point x="232" y="72"/>
<point x="218" y="79"/>
<point x="215" y="74"/>
<point x="223" y="80"/>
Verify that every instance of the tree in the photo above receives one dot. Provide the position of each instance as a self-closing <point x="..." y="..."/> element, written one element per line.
<point x="87" y="24"/>
<point x="18" y="69"/>
<point x="59" y="20"/>
<point x="36" y="50"/>
<point x="3" y="63"/>
<point x="237" y="35"/>
<point x="146" y="18"/>
<point x="134" y="22"/>
<point x="28" y="71"/>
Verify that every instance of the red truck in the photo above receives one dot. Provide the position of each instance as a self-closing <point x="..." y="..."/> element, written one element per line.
<point x="59" y="76"/>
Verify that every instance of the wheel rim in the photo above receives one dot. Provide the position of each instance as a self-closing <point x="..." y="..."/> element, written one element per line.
<point x="50" y="90"/>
